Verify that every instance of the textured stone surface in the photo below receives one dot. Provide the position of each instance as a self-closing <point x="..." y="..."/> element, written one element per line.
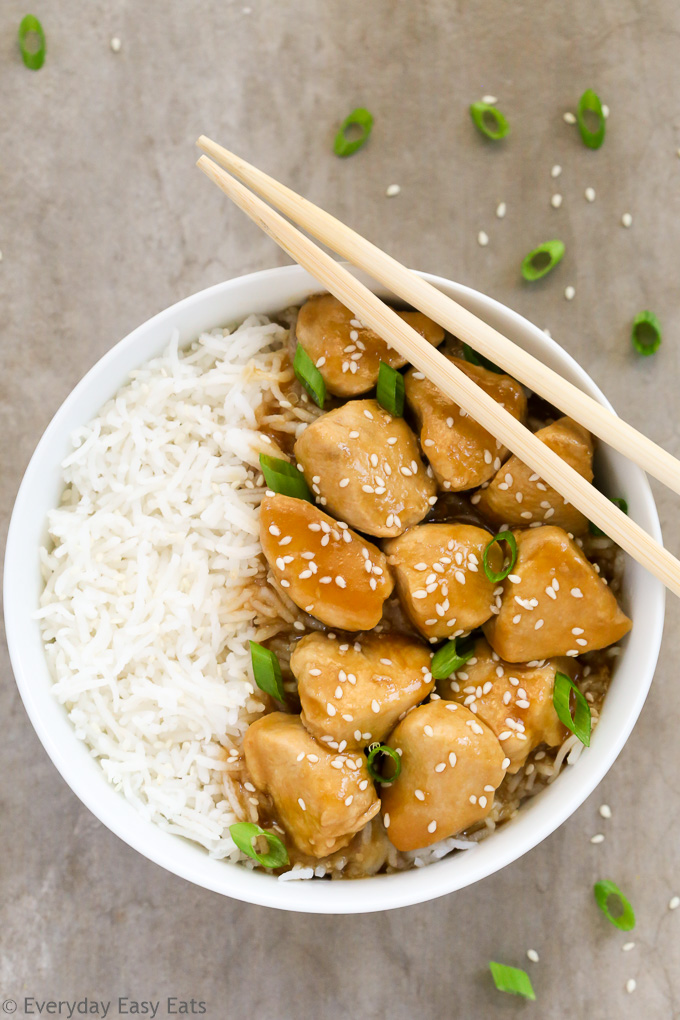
<point x="104" y="221"/>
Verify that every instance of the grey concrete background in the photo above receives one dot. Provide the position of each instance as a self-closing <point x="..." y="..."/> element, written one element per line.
<point x="104" y="221"/>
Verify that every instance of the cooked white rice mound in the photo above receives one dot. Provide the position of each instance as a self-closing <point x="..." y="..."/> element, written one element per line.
<point x="144" y="610"/>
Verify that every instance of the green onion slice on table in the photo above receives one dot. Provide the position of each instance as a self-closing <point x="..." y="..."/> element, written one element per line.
<point x="478" y="359"/>
<point x="541" y="260"/>
<point x="590" y="119"/>
<point x="390" y="390"/>
<point x="309" y="375"/>
<point x="359" y="118"/>
<point x="646" y="333"/>
<point x="580" y="723"/>
<point x="618" y="501"/>
<point x="378" y="752"/>
<point x="284" y="477"/>
<point x="512" y="979"/>
<point x="244" y="835"/>
<point x="32" y="42"/>
<point x="449" y="658"/>
<point x="503" y="536"/>
<point x="489" y="121"/>
<point x="267" y="671"/>
<point x="625" y="918"/>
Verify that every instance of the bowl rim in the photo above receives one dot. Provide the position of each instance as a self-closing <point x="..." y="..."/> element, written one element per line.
<point x="190" y="861"/>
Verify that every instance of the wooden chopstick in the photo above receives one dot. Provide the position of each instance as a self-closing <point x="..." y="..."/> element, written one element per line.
<point x="458" y="320"/>
<point x="451" y="381"/>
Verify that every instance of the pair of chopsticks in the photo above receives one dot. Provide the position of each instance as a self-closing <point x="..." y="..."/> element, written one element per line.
<point x="466" y="326"/>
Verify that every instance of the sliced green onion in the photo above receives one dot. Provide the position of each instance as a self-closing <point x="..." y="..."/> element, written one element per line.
<point x="266" y="671"/>
<point x="580" y="722"/>
<point x="618" y="501"/>
<point x="309" y="375"/>
<point x="512" y="980"/>
<point x="284" y="477"/>
<point x="447" y="659"/>
<point x="383" y="749"/>
<point x="589" y="103"/>
<point x="390" y="390"/>
<point x="503" y="536"/>
<point x="32" y="42"/>
<point x="244" y="835"/>
<point x="625" y="920"/>
<point x="542" y="259"/>
<point x="478" y="359"/>
<point x="489" y="121"/>
<point x="646" y="333"/>
<point x="359" y="118"/>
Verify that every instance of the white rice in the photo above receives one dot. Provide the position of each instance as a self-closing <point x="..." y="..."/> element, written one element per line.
<point x="143" y="612"/>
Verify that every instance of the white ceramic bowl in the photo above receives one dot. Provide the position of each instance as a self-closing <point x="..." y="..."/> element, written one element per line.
<point x="225" y="303"/>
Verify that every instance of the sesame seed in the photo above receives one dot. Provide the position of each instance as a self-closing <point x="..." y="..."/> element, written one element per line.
<point x="482" y="802"/>
<point x="116" y="44"/>
<point x="472" y="798"/>
<point x="589" y="194"/>
<point x="386" y="820"/>
<point x="533" y="955"/>
<point x="330" y="709"/>
<point x="674" y="903"/>
<point x="501" y="210"/>
<point x="440" y="766"/>
<point x="605" y="811"/>
<point x="605" y="110"/>
<point x="556" y="170"/>
<point x="273" y="530"/>
<point x="569" y="117"/>
<point x="597" y="838"/>
<point x="631" y="985"/>
<point x="577" y="593"/>
<point x="302" y="804"/>
<point x="627" y="946"/>
<point x="419" y="795"/>
<point x="392" y="190"/>
<point x="491" y="100"/>
<point x="432" y="827"/>
<point x="428" y="731"/>
<point x="556" y="201"/>
<point x="482" y="239"/>
<point x="569" y="293"/>
<point x="626" y="220"/>
<point x="505" y="763"/>
<point x="321" y="362"/>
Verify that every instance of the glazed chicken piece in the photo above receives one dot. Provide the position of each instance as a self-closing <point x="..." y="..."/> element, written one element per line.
<point x="462" y="454"/>
<point x="553" y="602"/>
<point x="365" y="466"/>
<point x="322" y="565"/>
<point x="354" y="694"/>
<point x="514" y="700"/>
<point x="320" y="798"/>
<point x="348" y="354"/>
<point x="517" y="496"/>
<point x="440" y="577"/>
<point x="451" y="766"/>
